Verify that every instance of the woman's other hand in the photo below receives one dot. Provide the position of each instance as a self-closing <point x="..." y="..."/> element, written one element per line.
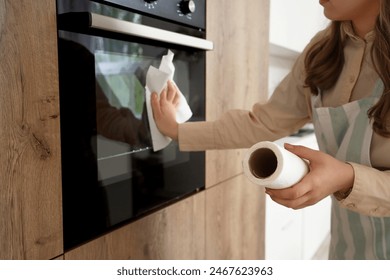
<point x="164" y="110"/>
<point x="327" y="175"/>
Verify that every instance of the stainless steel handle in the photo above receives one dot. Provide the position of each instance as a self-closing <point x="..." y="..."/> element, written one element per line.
<point x="130" y="28"/>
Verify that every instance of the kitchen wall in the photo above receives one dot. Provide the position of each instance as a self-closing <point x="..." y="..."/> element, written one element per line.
<point x="293" y="23"/>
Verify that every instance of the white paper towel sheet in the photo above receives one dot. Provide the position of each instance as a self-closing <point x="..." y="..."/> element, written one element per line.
<point x="270" y="165"/>
<point x="156" y="80"/>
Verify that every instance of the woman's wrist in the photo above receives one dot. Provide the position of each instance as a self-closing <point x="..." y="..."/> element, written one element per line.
<point x="347" y="186"/>
<point x="175" y="133"/>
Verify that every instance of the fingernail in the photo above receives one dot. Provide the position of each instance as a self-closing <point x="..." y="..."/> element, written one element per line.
<point x="288" y="146"/>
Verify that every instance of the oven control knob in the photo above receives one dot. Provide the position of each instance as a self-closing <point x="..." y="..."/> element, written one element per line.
<point x="187" y="6"/>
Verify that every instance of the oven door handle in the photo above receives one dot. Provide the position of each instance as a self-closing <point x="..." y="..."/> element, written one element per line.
<point x="92" y="20"/>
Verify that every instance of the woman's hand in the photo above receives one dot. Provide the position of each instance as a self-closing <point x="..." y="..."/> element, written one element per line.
<point x="327" y="175"/>
<point x="164" y="110"/>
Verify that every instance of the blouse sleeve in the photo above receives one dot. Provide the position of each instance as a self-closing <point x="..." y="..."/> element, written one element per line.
<point x="287" y="110"/>
<point x="372" y="201"/>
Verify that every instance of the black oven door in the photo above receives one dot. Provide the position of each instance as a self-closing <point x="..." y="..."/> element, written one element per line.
<point x="110" y="173"/>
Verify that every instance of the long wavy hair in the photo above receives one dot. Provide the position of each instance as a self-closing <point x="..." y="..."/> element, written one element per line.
<point x="325" y="59"/>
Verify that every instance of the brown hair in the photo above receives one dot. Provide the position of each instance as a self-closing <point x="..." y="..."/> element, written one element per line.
<point x="325" y="59"/>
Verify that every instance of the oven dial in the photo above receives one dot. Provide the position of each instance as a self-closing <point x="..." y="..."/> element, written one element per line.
<point x="187" y="7"/>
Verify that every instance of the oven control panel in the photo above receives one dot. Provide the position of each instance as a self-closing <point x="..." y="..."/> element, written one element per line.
<point x="189" y="12"/>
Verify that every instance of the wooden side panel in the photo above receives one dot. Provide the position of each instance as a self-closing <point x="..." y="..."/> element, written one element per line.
<point x="30" y="177"/>
<point x="237" y="77"/>
<point x="237" y="70"/>
<point x="176" y="232"/>
<point x="235" y="220"/>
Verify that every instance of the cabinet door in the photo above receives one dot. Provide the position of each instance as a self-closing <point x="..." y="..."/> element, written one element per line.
<point x="30" y="176"/>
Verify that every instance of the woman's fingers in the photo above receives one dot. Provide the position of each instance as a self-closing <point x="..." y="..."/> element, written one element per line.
<point x="171" y="91"/>
<point x="156" y="106"/>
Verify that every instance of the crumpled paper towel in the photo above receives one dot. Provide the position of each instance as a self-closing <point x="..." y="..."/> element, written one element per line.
<point x="156" y="80"/>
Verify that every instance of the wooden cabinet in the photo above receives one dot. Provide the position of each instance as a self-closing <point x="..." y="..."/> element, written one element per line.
<point x="237" y="70"/>
<point x="237" y="75"/>
<point x="30" y="177"/>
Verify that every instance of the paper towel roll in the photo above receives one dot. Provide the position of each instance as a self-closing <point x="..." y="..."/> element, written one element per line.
<point x="270" y="165"/>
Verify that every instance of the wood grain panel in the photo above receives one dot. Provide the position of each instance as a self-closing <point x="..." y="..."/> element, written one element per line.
<point x="235" y="220"/>
<point x="237" y="70"/>
<point x="175" y="232"/>
<point x="30" y="177"/>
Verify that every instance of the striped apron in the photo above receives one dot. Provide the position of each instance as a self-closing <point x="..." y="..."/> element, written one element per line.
<point x="345" y="132"/>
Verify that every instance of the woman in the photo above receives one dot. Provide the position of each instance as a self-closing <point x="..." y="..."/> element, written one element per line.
<point x="341" y="84"/>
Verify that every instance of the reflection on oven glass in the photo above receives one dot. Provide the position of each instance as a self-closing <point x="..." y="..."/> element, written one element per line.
<point x="120" y="102"/>
<point x="121" y="117"/>
<point x="117" y="76"/>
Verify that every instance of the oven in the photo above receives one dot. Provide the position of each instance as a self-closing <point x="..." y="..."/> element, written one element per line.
<point x="111" y="175"/>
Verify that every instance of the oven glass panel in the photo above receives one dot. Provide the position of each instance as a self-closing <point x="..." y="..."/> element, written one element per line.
<point x="110" y="173"/>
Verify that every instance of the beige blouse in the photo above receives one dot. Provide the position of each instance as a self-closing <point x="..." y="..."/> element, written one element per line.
<point x="289" y="109"/>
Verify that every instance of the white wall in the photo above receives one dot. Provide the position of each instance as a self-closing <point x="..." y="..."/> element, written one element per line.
<point x="294" y="22"/>
<point x="281" y="61"/>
